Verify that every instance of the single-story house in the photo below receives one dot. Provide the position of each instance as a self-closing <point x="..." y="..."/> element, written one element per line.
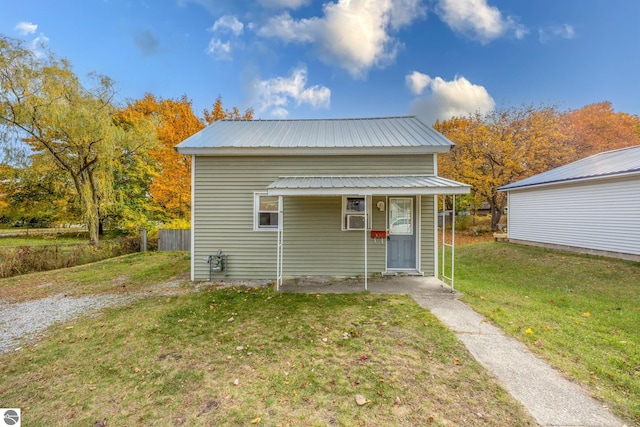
<point x="588" y="206"/>
<point x="293" y="198"/>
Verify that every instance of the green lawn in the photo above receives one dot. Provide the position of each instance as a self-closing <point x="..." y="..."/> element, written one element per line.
<point x="43" y="239"/>
<point x="581" y="313"/>
<point x="43" y="252"/>
<point x="240" y="356"/>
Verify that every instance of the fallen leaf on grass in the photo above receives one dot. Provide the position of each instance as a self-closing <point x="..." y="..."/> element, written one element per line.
<point x="360" y="400"/>
<point x="586" y="314"/>
<point x="456" y="362"/>
<point x="538" y="344"/>
<point x="256" y="420"/>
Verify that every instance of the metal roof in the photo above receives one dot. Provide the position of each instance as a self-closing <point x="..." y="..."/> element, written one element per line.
<point x="317" y="136"/>
<point x="611" y="163"/>
<point x="365" y="185"/>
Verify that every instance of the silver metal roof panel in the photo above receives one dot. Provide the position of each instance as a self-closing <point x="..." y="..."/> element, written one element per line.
<point x="609" y="163"/>
<point x="315" y="136"/>
<point x="365" y="185"/>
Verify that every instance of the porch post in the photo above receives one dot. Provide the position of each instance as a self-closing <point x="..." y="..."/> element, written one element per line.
<point x="366" y="263"/>
<point x="453" y="244"/>
<point x="279" y="248"/>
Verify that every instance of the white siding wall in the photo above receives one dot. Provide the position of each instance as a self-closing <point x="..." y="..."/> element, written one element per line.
<point x="602" y="215"/>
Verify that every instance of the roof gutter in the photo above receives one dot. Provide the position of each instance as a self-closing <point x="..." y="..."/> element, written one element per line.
<point x="612" y="175"/>
<point x="309" y="151"/>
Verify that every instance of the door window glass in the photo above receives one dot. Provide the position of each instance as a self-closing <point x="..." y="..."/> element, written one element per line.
<point x="400" y="216"/>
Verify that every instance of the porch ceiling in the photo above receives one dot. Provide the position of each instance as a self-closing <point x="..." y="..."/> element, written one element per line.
<point x="365" y="185"/>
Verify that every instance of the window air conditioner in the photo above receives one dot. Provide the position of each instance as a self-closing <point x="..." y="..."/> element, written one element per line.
<point x="355" y="222"/>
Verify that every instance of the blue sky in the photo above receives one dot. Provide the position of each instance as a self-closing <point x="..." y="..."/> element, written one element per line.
<point x="348" y="58"/>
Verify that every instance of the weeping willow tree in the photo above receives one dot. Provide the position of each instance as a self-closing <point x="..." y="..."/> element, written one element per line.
<point x="44" y="105"/>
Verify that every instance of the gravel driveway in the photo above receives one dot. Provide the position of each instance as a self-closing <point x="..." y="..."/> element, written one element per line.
<point x="25" y="320"/>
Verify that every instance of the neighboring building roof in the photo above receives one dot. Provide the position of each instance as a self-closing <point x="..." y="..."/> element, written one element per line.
<point x="365" y="185"/>
<point x="387" y="135"/>
<point x="611" y="163"/>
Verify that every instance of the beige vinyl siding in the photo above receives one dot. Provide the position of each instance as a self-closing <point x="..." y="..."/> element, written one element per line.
<point x="427" y="257"/>
<point x="223" y="214"/>
<point x="315" y="244"/>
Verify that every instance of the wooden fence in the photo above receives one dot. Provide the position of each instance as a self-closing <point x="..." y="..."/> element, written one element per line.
<point x="174" y="240"/>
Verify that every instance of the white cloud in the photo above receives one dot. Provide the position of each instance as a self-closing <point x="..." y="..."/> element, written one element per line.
<point x="352" y="34"/>
<point x="417" y="82"/>
<point x="564" y="31"/>
<point x="228" y="24"/>
<point x="39" y="45"/>
<point x="274" y="95"/>
<point x="288" y="4"/>
<point x="26" y="28"/>
<point x="219" y="49"/>
<point x="477" y="20"/>
<point x="225" y="25"/>
<point x="458" y="97"/>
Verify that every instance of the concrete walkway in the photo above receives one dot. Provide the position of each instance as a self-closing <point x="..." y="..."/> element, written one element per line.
<point x="550" y="399"/>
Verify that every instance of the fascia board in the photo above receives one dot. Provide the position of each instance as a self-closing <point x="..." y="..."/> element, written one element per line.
<point x="313" y="151"/>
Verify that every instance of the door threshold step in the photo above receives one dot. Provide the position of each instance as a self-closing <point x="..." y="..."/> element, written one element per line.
<point x="402" y="273"/>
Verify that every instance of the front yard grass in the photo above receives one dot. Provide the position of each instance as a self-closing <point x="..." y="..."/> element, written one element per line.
<point x="127" y="273"/>
<point x="250" y="356"/>
<point x="581" y="313"/>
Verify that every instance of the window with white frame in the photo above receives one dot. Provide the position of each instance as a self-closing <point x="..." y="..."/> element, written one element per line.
<point x="265" y="212"/>
<point x="353" y="213"/>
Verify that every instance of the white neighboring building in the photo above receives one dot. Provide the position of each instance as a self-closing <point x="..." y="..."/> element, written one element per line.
<point x="589" y="206"/>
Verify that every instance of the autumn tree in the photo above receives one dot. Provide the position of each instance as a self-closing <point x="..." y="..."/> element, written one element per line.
<point x="175" y="121"/>
<point x="596" y="128"/>
<point x="170" y="186"/>
<point x="37" y="193"/>
<point x="219" y="113"/>
<point x="501" y="147"/>
<point x="44" y="104"/>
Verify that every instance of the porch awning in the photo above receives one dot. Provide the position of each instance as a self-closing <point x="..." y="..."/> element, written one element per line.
<point x="365" y="185"/>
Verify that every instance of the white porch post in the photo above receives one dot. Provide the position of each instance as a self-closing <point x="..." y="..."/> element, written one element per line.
<point x="453" y="243"/>
<point x="366" y="263"/>
<point x="279" y="244"/>
<point x="443" y="274"/>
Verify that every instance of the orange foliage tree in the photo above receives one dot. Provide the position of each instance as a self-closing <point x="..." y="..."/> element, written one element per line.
<point x="219" y="113"/>
<point x="170" y="189"/>
<point x="596" y="128"/>
<point x="500" y="147"/>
